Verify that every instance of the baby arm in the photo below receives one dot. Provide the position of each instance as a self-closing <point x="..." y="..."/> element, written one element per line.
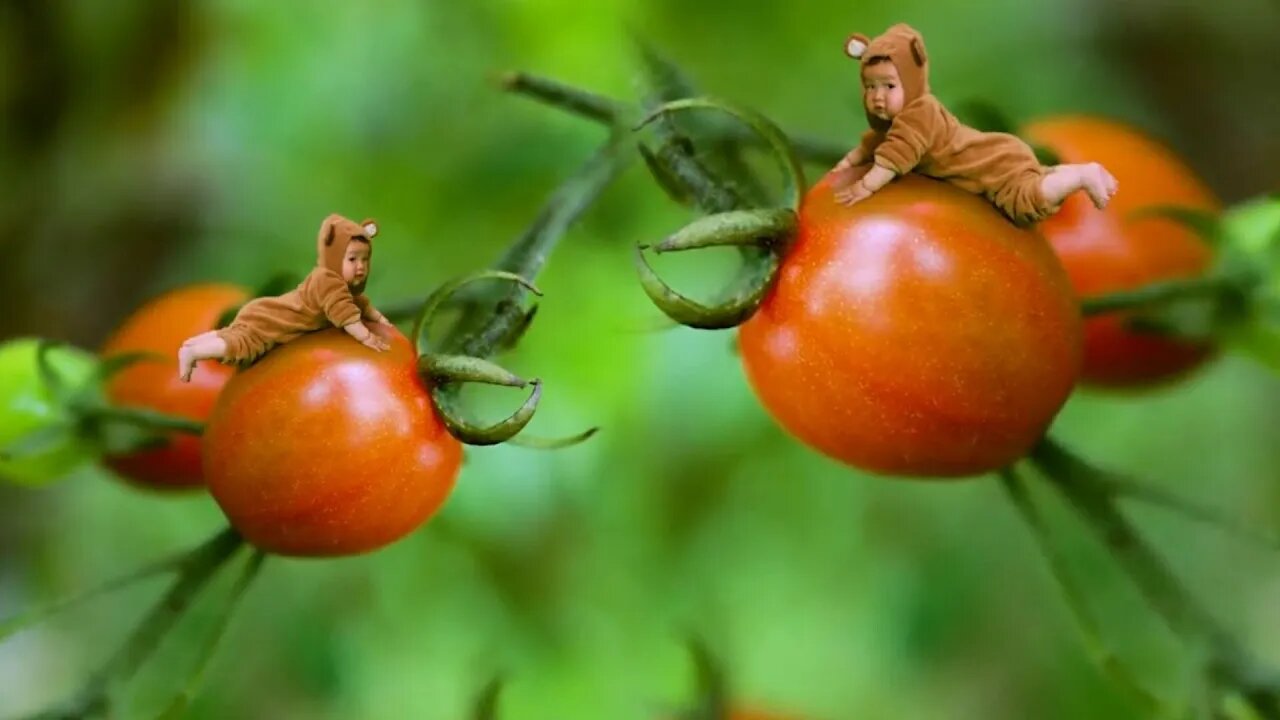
<point x="860" y="155"/>
<point x="365" y="336"/>
<point x="334" y="299"/>
<point x="876" y="178"/>
<point x="369" y="312"/>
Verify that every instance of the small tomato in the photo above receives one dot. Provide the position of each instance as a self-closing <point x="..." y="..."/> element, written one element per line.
<point x="325" y="447"/>
<point x="917" y="332"/>
<point x="28" y="407"/>
<point x="160" y="326"/>
<point x="1109" y="250"/>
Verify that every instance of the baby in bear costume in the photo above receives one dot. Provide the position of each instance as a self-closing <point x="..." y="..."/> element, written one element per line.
<point x="330" y="296"/>
<point x="912" y="131"/>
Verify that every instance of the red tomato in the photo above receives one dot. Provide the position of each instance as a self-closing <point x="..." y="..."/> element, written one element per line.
<point x="916" y="333"/>
<point x="1103" y="251"/>
<point x="325" y="447"/>
<point x="160" y="326"/>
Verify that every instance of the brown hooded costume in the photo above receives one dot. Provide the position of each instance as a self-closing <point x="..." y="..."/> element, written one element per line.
<point x="322" y="300"/>
<point x="924" y="137"/>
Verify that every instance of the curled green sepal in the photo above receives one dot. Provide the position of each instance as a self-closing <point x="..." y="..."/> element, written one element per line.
<point x="444" y="292"/>
<point x="754" y="281"/>
<point x="446" y="372"/>
<point x="735" y="227"/>
<point x="793" y="175"/>
<point x="445" y="369"/>
<point x="538" y="443"/>
<point x="472" y="434"/>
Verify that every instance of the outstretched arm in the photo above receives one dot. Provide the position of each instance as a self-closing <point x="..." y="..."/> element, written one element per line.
<point x="369" y="312"/>
<point x="365" y="336"/>
<point x="860" y="155"/>
<point x="876" y="178"/>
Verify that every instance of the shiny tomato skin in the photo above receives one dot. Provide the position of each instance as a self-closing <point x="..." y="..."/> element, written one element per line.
<point x="325" y="447"/>
<point x="160" y="326"/>
<point x="1106" y="251"/>
<point x="916" y="333"/>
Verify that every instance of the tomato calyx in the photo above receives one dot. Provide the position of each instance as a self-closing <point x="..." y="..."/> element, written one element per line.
<point x="757" y="232"/>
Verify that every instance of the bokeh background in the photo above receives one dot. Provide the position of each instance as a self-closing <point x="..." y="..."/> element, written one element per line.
<point x="151" y="144"/>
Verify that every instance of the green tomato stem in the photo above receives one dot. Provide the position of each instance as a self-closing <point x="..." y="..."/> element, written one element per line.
<point x="1160" y="292"/>
<point x="178" y="706"/>
<point x="1090" y="630"/>
<point x="1230" y="665"/>
<point x="197" y="568"/>
<point x="490" y="318"/>
<point x="147" y="419"/>
<point x="565" y="97"/>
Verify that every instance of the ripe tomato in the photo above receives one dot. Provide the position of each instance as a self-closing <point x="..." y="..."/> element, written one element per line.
<point x="325" y="447"/>
<point x="1104" y="251"/>
<point x="27" y="407"/>
<point x="915" y="333"/>
<point x="160" y="326"/>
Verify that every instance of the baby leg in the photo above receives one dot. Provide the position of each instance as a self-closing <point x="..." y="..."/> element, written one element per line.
<point x="1063" y="180"/>
<point x="201" y="347"/>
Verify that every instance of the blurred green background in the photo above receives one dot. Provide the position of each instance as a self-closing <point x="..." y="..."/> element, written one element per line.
<point x="150" y="144"/>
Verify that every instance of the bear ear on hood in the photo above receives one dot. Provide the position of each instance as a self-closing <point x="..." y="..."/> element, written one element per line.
<point x="917" y="51"/>
<point x="856" y="45"/>
<point x="370" y="227"/>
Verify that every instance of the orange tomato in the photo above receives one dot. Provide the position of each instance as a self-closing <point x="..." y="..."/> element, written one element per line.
<point x="325" y="447"/>
<point x="161" y="326"/>
<point x="1105" y="251"/>
<point x="915" y="333"/>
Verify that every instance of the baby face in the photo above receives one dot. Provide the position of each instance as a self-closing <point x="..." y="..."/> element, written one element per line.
<point x="355" y="265"/>
<point x="882" y="90"/>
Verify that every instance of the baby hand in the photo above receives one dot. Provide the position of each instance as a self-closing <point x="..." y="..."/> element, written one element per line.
<point x="852" y="194"/>
<point x="373" y="341"/>
<point x="361" y="333"/>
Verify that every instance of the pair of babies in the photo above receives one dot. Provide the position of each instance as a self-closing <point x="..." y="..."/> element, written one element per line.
<point x="910" y="131"/>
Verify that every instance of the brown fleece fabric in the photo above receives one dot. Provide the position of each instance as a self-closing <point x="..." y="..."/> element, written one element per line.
<point x="926" y="138"/>
<point x="322" y="300"/>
